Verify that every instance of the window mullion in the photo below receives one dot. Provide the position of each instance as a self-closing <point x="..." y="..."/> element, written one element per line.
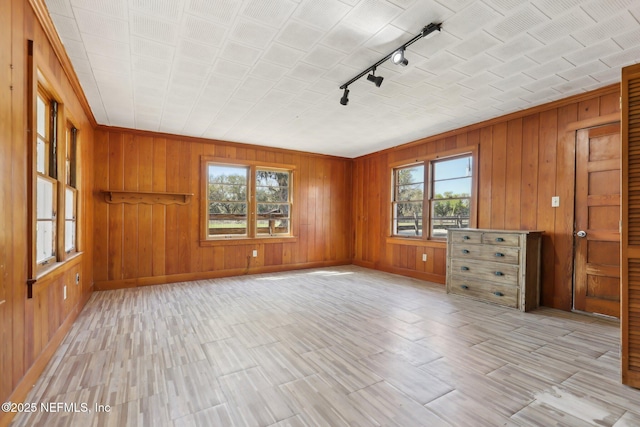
<point x="251" y="202"/>
<point x="426" y="207"/>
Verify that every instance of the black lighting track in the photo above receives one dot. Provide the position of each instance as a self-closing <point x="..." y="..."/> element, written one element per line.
<point x="425" y="32"/>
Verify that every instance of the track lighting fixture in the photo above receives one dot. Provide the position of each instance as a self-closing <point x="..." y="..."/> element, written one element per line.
<point x="345" y="98"/>
<point x="397" y="57"/>
<point x="372" y="78"/>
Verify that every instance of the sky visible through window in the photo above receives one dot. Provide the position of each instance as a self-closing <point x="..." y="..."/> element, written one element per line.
<point x="455" y="168"/>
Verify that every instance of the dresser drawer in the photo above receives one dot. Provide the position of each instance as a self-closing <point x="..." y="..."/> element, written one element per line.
<point x="490" y="271"/>
<point x="501" y="239"/>
<point x="506" y="255"/>
<point x="486" y="291"/>
<point x="466" y="236"/>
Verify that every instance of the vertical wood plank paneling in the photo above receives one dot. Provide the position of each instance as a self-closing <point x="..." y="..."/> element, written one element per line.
<point x="273" y="254"/>
<point x="547" y="150"/>
<point x="172" y="233"/>
<point x="565" y="189"/>
<point x="609" y="104"/>
<point x="529" y="188"/>
<point x="498" y="176"/>
<point x="304" y="194"/>
<point x="332" y="197"/>
<point x="101" y="209"/>
<point x="513" y="174"/>
<point x="589" y="109"/>
<point x="402" y="256"/>
<point x="522" y="162"/>
<point x="184" y="212"/>
<point x="130" y="212"/>
<point x="28" y="327"/>
<point x="116" y="217"/>
<point x="195" y="208"/>
<point x="383" y="224"/>
<point x="172" y="172"/>
<point x="439" y="261"/>
<point x="145" y="218"/>
<point x="322" y="212"/>
<point x="484" y="178"/>
<point x="374" y="226"/>
<point x="358" y="197"/>
<point x="159" y="212"/>
<point x="312" y="209"/>
<point x="6" y="266"/>
<point x="209" y="254"/>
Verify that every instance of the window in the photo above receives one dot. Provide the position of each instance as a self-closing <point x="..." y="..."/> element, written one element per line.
<point x="450" y="201"/>
<point x="54" y="185"/>
<point x="273" y="202"/>
<point x="227" y="200"/>
<point x="47" y="184"/>
<point x="71" y="191"/>
<point x="408" y="200"/>
<point x="247" y="201"/>
<point x="446" y="204"/>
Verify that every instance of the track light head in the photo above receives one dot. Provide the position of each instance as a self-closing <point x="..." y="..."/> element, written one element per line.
<point x="345" y="97"/>
<point x="372" y="78"/>
<point x="398" y="58"/>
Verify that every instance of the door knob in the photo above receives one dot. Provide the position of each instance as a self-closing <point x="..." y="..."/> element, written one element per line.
<point x="581" y="233"/>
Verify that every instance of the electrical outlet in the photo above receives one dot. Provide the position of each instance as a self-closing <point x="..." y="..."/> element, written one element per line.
<point x="424" y="257"/>
<point x="255" y="253"/>
<point x="64" y="291"/>
<point x="555" y="201"/>
<point x="77" y="278"/>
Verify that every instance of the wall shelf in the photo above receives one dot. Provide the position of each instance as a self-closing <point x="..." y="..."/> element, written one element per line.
<point x="146" y="197"/>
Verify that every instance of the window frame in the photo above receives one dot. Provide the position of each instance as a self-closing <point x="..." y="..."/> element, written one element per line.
<point x="49" y="174"/>
<point x="55" y="172"/>
<point x="427" y="162"/>
<point x="252" y="234"/>
<point x="71" y="184"/>
<point x="287" y="202"/>
<point x="432" y="190"/>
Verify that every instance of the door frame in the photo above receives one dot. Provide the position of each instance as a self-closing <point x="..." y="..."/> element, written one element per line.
<point x="573" y="128"/>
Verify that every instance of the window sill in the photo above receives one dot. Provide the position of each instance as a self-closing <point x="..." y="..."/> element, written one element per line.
<point x="416" y="241"/>
<point x="48" y="269"/>
<point x="233" y="241"/>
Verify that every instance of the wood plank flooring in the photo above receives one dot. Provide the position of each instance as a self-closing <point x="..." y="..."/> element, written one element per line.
<point x="342" y="346"/>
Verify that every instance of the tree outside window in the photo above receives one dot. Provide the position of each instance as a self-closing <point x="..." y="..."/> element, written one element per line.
<point x="447" y="205"/>
<point x="248" y="201"/>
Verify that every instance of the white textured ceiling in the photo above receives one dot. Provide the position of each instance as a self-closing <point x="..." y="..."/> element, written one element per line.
<point x="268" y="72"/>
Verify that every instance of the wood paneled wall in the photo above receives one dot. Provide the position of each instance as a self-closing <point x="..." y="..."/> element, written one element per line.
<point x="524" y="160"/>
<point x="148" y="244"/>
<point x="31" y="329"/>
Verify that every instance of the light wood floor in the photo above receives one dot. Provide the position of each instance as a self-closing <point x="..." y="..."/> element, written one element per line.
<point x="330" y="347"/>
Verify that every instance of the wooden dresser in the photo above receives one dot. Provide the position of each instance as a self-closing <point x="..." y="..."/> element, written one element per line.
<point x="497" y="266"/>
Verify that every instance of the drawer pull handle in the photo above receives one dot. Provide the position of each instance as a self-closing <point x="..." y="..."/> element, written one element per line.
<point x="499" y="239"/>
<point x="465" y="237"/>
<point x="499" y="273"/>
<point x="465" y="251"/>
<point x="464" y="286"/>
<point x="498" y="294"/>
<point x="463" y="268"/>
<point x="499" y="254"/>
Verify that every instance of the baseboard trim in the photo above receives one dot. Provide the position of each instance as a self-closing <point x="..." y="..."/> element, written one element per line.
<point x="187" y="277"/>
<point x="27" y="382"/>
<point x="429" y="277"/>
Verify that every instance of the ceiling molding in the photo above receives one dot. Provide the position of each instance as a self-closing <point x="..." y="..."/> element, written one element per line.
<point x="42" y="15"/>
<point x="195" y="139"/>
<point x="516" y="115"/>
